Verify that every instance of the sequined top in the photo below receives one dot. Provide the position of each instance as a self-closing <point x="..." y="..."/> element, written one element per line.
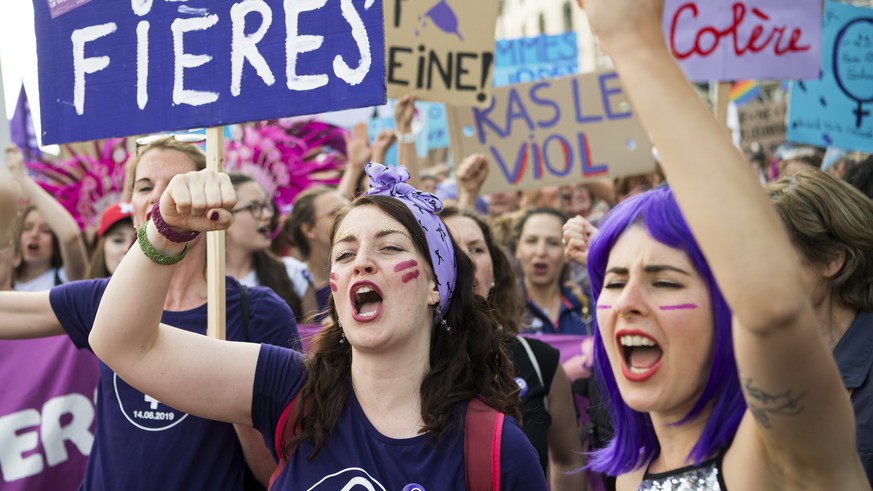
<point x="705" y="476"/>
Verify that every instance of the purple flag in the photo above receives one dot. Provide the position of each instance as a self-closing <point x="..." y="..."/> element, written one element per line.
<point x="21" y="130"/>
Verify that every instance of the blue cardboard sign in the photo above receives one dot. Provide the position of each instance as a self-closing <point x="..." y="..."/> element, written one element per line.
<point x="114" y="68"/>
<point x="530" y="59"/>
<point x="553" y="132"/>
<point x="837" y="109"/>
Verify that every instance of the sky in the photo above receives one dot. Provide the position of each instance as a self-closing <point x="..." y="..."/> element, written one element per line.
<point x="18" y="54"/>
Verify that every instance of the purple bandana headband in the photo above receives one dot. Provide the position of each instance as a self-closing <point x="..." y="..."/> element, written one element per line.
<point x="391" y="181"/>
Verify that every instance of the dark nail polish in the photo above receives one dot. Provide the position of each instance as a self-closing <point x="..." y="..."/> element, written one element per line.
<point x="214" y="216"/>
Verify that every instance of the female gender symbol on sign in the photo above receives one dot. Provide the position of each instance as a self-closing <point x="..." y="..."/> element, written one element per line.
<point x="853" y="64"/>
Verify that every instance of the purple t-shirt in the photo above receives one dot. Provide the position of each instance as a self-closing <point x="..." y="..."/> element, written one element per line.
<point x="143" y="444"/>
<point x="356" y="455"/>
<point x="46" y="413"/>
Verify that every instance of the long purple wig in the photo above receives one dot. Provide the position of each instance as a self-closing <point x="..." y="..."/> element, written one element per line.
<point x="635" y="442"/>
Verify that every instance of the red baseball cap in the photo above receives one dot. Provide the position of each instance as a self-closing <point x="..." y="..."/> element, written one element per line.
<point x="112" y="215"/>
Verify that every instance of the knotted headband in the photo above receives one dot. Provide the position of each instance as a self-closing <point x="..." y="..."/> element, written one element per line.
<point x="391" y="181"/>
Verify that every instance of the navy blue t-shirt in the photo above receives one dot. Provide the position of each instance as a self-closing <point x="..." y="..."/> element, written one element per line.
<point x="356" y="454"/>
<point x="143" y="444"/>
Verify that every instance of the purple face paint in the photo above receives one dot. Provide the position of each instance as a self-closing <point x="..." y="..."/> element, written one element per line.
<point x="410" y="276"/>
<point x="334" y="277"/>
<point x="681" y="306"/>
<point x="405" y="265"/>
<point x="604" y="307"/>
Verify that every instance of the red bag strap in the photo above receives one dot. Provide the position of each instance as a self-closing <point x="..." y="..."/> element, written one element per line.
<point x="483" y="432"/>
<point x="281" y="440"/>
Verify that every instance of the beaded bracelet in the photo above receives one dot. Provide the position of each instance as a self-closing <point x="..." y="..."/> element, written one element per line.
<point x="156" y="256"/>
<point x="168" y="231"/>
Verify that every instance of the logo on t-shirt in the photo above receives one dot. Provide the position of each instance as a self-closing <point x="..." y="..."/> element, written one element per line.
<point x="144" y="411"/>
<point x="353" y="478"/>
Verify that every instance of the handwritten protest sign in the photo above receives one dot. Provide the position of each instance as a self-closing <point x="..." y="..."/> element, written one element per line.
<point x="553" y="132"/>
<point x="760" y="39"/>
<point x="440" y="50"/>
<point x="837" y="109"/>
<point x="536" y="58"/>
<point x="121" y="68"/>
<point x="762" y="122"/>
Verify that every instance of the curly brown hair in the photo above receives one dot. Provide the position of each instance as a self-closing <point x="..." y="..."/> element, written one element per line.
<point x="482" y="365"/>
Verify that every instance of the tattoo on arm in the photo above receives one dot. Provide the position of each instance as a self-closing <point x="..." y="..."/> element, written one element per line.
<point x="764" y="404"/>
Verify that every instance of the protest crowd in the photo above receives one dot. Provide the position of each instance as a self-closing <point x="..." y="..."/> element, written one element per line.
<point x="695" y="318"/>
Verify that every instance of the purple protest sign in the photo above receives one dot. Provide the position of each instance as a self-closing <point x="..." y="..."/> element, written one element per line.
<point x="59" y="7"/>
<point x="46" y="413"/>
<point x="764" y="39"/>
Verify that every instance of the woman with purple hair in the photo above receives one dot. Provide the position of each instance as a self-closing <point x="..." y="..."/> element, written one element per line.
<point x="707" y="345"/>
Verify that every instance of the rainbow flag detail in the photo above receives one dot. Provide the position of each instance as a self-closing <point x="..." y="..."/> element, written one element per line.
<point x="744" y="91"/>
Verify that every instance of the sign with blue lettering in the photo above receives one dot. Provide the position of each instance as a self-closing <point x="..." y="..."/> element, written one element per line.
<point x="522" y="60"/>
<point x="553" y="132"/>
<point x="113" y="68"/>
<point x="837" y="109"/>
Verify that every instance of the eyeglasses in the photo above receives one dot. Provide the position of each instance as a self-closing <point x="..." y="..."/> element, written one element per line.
<point x="256" y="209"/>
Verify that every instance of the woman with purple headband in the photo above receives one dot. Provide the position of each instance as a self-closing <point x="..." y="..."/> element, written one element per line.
<point x="707" y="346"/>
<point x="407" y="354"/>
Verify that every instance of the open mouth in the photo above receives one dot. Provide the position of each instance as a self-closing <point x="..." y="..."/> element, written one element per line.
<point x="641" y="355"/>
<point x="266" y="231"/>
<point x="540" y="268"/>
<point x="33" y="247"/>
<point x="367" y="301"/>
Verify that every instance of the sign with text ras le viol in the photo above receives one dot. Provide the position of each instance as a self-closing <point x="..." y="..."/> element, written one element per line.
<point x="114" y="68"/>
<point x="440" y="50"/>
<point x="837" y="109"/>
<point x="756" y="39"/>
<point x="553" y="132"/>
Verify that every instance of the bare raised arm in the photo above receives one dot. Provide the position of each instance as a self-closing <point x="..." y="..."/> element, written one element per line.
<point x="63" y="224"/>
<point x="799" y="411"/>
<point x="191" y="372"/>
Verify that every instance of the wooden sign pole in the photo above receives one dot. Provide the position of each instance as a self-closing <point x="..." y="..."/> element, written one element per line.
<point x="720" y="99"/>
<point x="215" y="241"/>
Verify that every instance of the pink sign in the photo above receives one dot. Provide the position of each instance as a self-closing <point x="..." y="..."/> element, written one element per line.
<point x="60" y="7"/>
<point x="745" y="39"/>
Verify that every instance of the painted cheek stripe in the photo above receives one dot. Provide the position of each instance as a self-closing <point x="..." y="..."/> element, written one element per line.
<point x="604" y="307"/>
<point x="333" y="287"/>
<point x="682" y="306"/>
<point x="405" y="265"/>
<point x="410" y="276"/>
<point x="334" y="276"/>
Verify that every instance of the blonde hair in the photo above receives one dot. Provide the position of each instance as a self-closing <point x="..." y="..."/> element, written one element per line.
<point x="824" y="215"/>
<point x="169" y="143"/>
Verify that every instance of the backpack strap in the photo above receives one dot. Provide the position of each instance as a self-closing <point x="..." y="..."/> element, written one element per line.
<point x="281" y="439"/>
<point x="483" y="432"/>
<point x="244" y="307"/>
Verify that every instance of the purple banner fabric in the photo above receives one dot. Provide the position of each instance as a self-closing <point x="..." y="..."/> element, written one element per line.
<point x="761" y="39"/>
<point x="46" y="414"/>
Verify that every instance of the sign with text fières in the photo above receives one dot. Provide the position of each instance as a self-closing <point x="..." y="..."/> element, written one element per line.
<point x="440" y="50"/>
<point x="114" y="68"/>
<point x="716" y="40"/>
<point x="553" y="132"/>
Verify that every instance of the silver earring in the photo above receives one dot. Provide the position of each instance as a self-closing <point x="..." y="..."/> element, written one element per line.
<point x="342" y="333"/>
<point x="445" y="324"/>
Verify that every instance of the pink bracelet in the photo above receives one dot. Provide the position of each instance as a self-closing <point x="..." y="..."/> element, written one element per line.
<point x="167" y="231"/>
